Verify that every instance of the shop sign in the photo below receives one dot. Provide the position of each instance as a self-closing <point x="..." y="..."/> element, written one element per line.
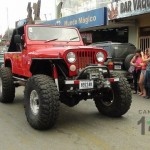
<point x="126" y="8"/>
<point x="97" y="17"/>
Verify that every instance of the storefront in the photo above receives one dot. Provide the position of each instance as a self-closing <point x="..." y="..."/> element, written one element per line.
<point x="135" y="15"/>
<point x="92" y="24"/>
<point x="121" y="21"/>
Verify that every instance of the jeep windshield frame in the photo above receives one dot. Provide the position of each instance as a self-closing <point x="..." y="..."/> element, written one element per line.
<point x="49" y="33"/>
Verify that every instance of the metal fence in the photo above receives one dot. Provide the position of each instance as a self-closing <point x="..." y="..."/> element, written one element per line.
<point x="144" y="42"/>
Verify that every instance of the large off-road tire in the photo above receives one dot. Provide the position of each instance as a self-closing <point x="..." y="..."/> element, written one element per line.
<point x="127" y="61"/>
<point x="115" y="101"/>
<point x="41" y="101"/>
<point x="7" y="87"/>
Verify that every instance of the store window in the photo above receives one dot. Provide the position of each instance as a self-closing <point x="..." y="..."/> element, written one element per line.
<point x="88" y="37"/>
<point x="114" y="35"/>
<point x="145" y="31"/>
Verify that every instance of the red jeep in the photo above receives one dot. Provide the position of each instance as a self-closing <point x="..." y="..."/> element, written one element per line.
<point x="54" y="66"/>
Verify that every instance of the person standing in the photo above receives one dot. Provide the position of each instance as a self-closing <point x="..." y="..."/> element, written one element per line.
<point x="147" y="74"/>
<point x="136" y="62"/>
<point x="142" y="75"/>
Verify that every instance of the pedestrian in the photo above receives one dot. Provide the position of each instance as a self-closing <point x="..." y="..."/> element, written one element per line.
<point x="136" y="62"/>
<point x="142" y="75"/>
<point x="147" y="74"/>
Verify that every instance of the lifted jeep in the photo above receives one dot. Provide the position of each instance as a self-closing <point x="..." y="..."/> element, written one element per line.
<point x="54" y="66"/>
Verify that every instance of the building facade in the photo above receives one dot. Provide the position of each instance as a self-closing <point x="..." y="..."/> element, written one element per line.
<point x="72" y="7"/>
<point x="108" y="20"/>
<point x="135" y="13"/>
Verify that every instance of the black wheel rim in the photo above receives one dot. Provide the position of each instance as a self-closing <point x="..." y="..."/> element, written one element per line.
<point x="108" y="97"/>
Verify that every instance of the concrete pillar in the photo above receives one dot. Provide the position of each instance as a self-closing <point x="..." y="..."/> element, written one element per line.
<point x="133" y="35"/>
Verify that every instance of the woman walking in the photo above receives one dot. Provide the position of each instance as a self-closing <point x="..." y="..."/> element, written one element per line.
<point x="136" y="62"/>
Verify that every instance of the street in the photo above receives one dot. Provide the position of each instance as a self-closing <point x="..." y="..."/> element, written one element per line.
<point x="78" y="128"/>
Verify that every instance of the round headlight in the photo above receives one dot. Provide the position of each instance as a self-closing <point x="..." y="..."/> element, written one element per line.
<point x="71" y="57"/>
<point x="100" y="57"/>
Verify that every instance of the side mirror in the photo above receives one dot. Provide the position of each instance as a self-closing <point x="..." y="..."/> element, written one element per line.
<point x="17" y="38"/>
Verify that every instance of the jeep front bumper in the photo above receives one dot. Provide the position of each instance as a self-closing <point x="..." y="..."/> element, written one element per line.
<point x="90" y="78"/>
<point x="91" y="85"/>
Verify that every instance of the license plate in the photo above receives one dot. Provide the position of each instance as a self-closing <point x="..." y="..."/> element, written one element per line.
<point x="117" y="66"/>
<point x="86" y="84"/>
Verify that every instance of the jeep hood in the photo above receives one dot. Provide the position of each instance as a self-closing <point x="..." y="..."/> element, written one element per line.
<point x="57" y="52"/>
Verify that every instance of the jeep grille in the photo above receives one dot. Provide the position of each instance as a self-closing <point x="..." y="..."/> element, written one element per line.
<point x="85" y="58"/>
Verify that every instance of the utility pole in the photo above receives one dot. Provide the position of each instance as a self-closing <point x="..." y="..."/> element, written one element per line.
<point x="45" y="17"/>
<point x="55" y="9"/>
<point x="7" y="24"/>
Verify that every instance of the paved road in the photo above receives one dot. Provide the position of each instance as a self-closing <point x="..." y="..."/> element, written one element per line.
<point x="78" y="128"/>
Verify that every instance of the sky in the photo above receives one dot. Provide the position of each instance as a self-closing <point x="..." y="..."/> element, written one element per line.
<point x="14" y="10"/>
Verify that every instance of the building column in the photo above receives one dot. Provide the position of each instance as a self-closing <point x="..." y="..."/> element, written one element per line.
<point x="133" y="35"/>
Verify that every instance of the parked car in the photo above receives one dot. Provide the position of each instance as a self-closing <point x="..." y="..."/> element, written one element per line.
<point x="119" y="56"/>
<point x="3" y="49"/>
